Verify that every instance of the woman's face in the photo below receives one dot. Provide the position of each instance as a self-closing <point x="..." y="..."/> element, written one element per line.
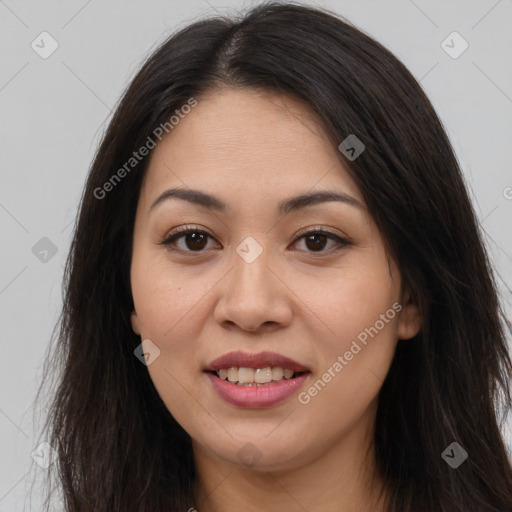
<point x="248" y="285"/>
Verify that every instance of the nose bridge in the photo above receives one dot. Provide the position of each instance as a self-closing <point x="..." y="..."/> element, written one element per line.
<point x="251" y="275"/>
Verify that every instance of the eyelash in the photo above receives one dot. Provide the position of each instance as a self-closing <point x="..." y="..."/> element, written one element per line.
<point x="185" y="230"/>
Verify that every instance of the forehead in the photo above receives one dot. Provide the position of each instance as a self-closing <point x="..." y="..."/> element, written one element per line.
<point x="247" y="142"/>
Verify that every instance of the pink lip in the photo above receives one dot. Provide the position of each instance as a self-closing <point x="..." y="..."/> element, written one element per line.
<point x="242" y="359"/>
<point x="256" y="397"/>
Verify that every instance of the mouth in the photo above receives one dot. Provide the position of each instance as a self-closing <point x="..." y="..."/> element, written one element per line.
<point x="256" y="380"/>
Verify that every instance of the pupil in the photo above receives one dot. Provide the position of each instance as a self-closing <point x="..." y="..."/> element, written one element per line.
<point x="196" y="239"/>
<point x="315" y="238"/>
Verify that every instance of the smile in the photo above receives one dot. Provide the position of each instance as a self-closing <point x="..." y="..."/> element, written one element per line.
<point x="256" y="380"/>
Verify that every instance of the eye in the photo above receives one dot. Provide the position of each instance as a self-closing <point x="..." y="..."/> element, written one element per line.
<point x="316" y="239"/>
<point x="195" y="240"/>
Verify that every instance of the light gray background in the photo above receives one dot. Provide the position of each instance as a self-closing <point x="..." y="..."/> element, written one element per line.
<point x="53" y="112"/>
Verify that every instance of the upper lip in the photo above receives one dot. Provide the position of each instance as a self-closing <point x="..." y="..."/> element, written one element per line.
<point x="243" y="359"/>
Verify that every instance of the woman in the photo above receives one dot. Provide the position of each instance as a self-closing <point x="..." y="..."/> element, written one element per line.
<point x="214" y="354"/>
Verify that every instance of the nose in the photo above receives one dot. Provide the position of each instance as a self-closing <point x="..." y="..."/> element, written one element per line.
<point x="253" y="297"/>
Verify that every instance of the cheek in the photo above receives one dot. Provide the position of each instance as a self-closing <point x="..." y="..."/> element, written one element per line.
<point x="353" y="364"/>
<point x="349" y="299"/>
<point x="167" y="304"/>
<point x="357" y="333"/>
<point x="164" y="297"/>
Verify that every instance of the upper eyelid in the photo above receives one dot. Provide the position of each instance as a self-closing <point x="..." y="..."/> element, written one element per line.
<point x="303" y="231"/>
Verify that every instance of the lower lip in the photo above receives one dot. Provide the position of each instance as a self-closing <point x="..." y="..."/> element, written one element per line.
<point x="255" y="397"/>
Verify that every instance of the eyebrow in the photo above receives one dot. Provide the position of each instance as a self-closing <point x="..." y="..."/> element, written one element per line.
<point x="289" y="205"/>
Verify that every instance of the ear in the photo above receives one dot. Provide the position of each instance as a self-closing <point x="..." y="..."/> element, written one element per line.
<point x="135" y="322"/>
<point x="409" y="321"/>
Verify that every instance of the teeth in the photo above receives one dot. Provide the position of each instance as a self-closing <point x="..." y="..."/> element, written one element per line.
<point x="255" y="377"/>
<point x="233" y="374"/>
<point x="263" y="375"/>
<point x="246" y="375"/>
<point x="277" y="373"/>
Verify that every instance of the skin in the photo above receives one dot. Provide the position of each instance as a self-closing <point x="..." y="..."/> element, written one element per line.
<point x="253" y="149"/>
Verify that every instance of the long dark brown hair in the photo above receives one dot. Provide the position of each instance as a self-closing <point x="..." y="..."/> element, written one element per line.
<point x="119" y="449"/>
